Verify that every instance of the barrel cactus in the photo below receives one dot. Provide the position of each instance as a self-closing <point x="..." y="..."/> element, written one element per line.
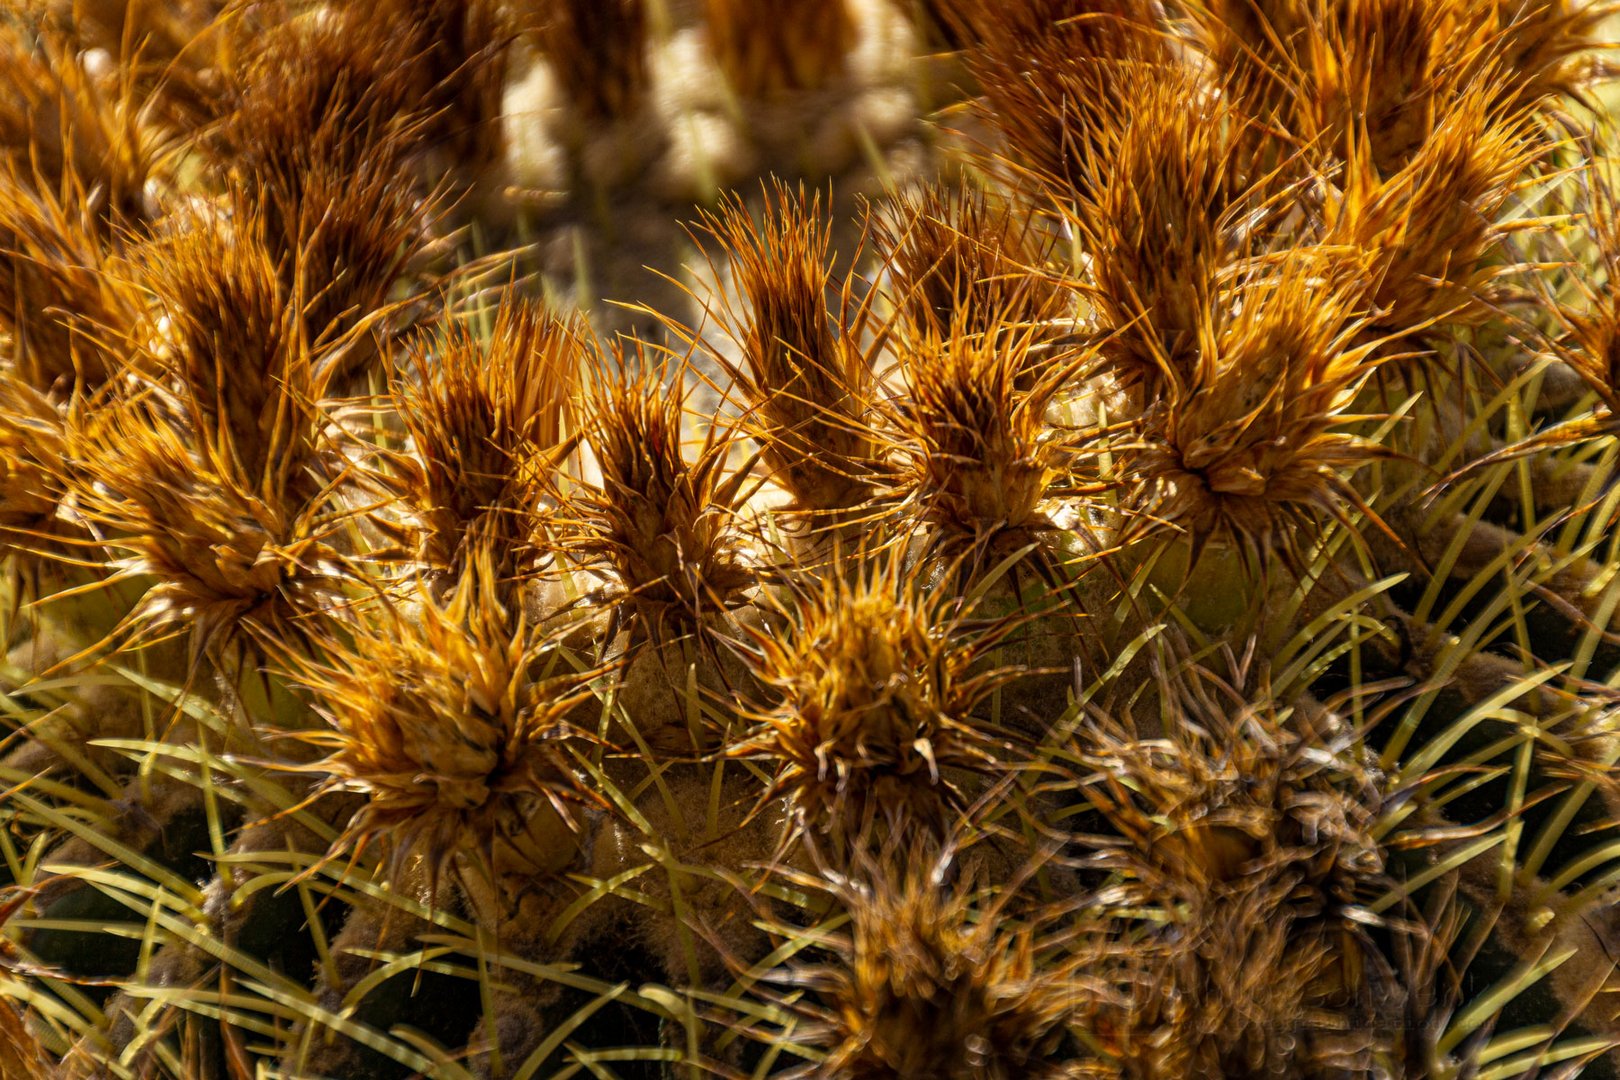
<point x="835" y="538"/>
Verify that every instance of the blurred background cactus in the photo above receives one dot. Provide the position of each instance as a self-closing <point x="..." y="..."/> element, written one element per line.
<point x="836" y="538"/>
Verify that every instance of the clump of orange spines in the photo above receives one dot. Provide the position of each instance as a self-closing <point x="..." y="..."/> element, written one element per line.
<point x="805" y="375"/>
<point x="1260" y="437"/>
<point x="206" y="466"/>
<point x="1057" y="80"/>
<point x="33" y="452"/>
<point x="1190" y="241"/>
<point x="1253" y="46"/>
<point x="768" y="49"/>
<point x="1433" y="228"/>
<point x="226" y="338"/>
<point x="1392" y="65"/>
<point x="598" y="53"/>
<point x="1545" y="50"/>
<point x="231" y="564"/>
<point x="35" y="533"/>
<point x="488" y="419"/>
<point x="968" y="261"/>
<point x="928" y="982"/>
<point x="665" y="526"/>
<point x="63" y="301"/>
<point x="1589" y="322"/>
<point x="877" y="685"/>
<point x="1381" y="71"/>
<point x="343" y="246"/>
<point x="445" y="715"/>
<point x="983" y="457"/>
<point x="1172" y="207"/>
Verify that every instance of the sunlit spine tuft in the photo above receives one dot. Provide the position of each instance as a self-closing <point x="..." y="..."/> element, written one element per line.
<point x="806" y="376"/>
<point x="453" y="718"/>
<point x="668" y="528"/>
<point x="766" y="49"/>
<point x="488" y="418"/>
<point x="873" y="732"/>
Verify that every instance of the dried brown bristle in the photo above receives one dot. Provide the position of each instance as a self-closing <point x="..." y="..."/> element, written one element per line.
<point x="665" y="526"/>
<point x="444" y="714"/>
<point x="22" y="1056"/>
<point x="1252" y="828"/>
<point x="1236" y="784"/>
<point x="487" y="418"/>
<point x="341" y="242"/>
<point x="317" y="95"/>
<point x="176" y="52"/>
<point x="768" y="49"/>
<point x="327" y="125"/>
<point x="458" y="70"/>
<point x="75" y="139"/>
<point x="598" y="52"/>
<point x="938" y="24"/>
<point x="330" y="136"/>
<point x="1233" y="988"/>
<point x="806" y="378"/>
